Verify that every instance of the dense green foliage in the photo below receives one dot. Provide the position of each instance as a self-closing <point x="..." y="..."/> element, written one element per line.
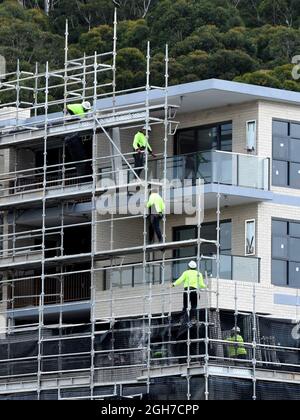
<point x="246" y="40"/>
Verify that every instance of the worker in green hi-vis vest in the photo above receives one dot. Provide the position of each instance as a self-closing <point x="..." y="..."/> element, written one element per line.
<point x="140" y="144"/>
<point x="193" y="281"/>
<point x="237" y="349"/>
<point x="157" y="208"/>
<point x="79" y="110"/>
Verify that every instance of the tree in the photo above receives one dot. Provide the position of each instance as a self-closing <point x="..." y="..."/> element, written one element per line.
<point x="131" y="63"/>
<point x="206" y="38"/>
<point x="277" y="45"/>
<point x="228" y="64"/>
<point x="98" y="39"/>
<point x="282" y="12"/>
<point x="280" y="78"/>
<point x="252" y="40"/>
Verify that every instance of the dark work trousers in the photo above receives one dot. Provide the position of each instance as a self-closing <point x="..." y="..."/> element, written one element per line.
<point x="139" y="162"/>
<point x="77" y="153"/>
<point x="193" y="300"/>
<point x="154" y="227"/>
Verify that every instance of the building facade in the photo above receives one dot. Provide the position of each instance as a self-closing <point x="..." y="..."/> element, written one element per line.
<point x="87" y="310"/>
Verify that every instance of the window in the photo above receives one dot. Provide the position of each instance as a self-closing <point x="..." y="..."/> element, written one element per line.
<point x="206" y="138"/>
<point x="250" y="237"/>
<point x="251" y="136"/>
<point x="209" y="232"/>
<point x="286" y="154"/>
<point x="285" y="253"/>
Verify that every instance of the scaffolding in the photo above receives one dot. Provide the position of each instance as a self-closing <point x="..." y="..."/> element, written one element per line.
<point x="103" y="322"/>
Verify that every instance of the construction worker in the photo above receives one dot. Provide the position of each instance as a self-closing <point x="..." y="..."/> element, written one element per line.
<point x="192" y="280"/>
<point x="237" y="350"/>
<point x="157" y="209"/>
<point x="79" y="110"/>
<point x="140" y="144"/>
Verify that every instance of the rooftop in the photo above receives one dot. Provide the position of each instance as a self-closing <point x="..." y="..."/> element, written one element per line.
<point x="201" y="95"/>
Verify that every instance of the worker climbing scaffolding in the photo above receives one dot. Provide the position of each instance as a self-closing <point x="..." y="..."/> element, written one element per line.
<point x="157" y="208"/>
<point x="140" y="144"/>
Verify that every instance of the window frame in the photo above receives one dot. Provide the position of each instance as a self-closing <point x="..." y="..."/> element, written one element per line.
<point x="288" y="161"/>
<point x="187" y="227"/>
<point x="253" y="149"/>
<point x="288" y="260"/>
<point x="217" y="125"/>
<point x="246" y="231"/>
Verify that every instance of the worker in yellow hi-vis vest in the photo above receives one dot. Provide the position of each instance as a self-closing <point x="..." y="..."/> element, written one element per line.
<point x="237" y="349"/>
<point x="79" y="110"/>
<point x="193" y="281"/>
<point x="157" y="208"/>
<point x="140" y="144"/>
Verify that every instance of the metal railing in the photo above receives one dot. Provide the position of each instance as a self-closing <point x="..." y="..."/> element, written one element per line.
<point x="73" y="287"/>
<point x="212" y="166"/>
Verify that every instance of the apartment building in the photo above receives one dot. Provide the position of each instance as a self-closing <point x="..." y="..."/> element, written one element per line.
<point x="87" y="311"/>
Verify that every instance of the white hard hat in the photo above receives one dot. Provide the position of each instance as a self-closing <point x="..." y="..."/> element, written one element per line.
<point x="86" y="105"/>
<point x="193" y="265"/>
<point x="149" y="128"/>
<point x="236" y="330"/>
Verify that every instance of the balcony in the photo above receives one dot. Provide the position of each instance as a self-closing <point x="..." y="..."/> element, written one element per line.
<point x="28" y="185"/>
<point x="216" y="167"/>
<point x="67" y="288"/>
<point x="232" y="267"/>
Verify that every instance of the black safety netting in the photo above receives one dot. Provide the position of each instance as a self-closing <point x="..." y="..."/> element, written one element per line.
<point x="28" y="396"/>
<point x="127" y="344"/>
<point x="232" y="389"/>
<point x="177" y="388"/>
<point x="122" y="354"/>
<point x="285" y="335"/>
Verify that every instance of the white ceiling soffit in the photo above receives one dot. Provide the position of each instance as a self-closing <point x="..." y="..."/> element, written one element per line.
<point x="207" y="94"/>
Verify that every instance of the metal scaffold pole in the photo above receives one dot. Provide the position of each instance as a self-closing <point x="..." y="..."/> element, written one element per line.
<point x="145" y="219"/>
<point x="44" y="209"/>
<point x="66" y="67"/>
<point x="254" y="344"/>
<point x="94" y="236"/>
<point x="114" y="65"/>
<point x="165" y="169"/>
